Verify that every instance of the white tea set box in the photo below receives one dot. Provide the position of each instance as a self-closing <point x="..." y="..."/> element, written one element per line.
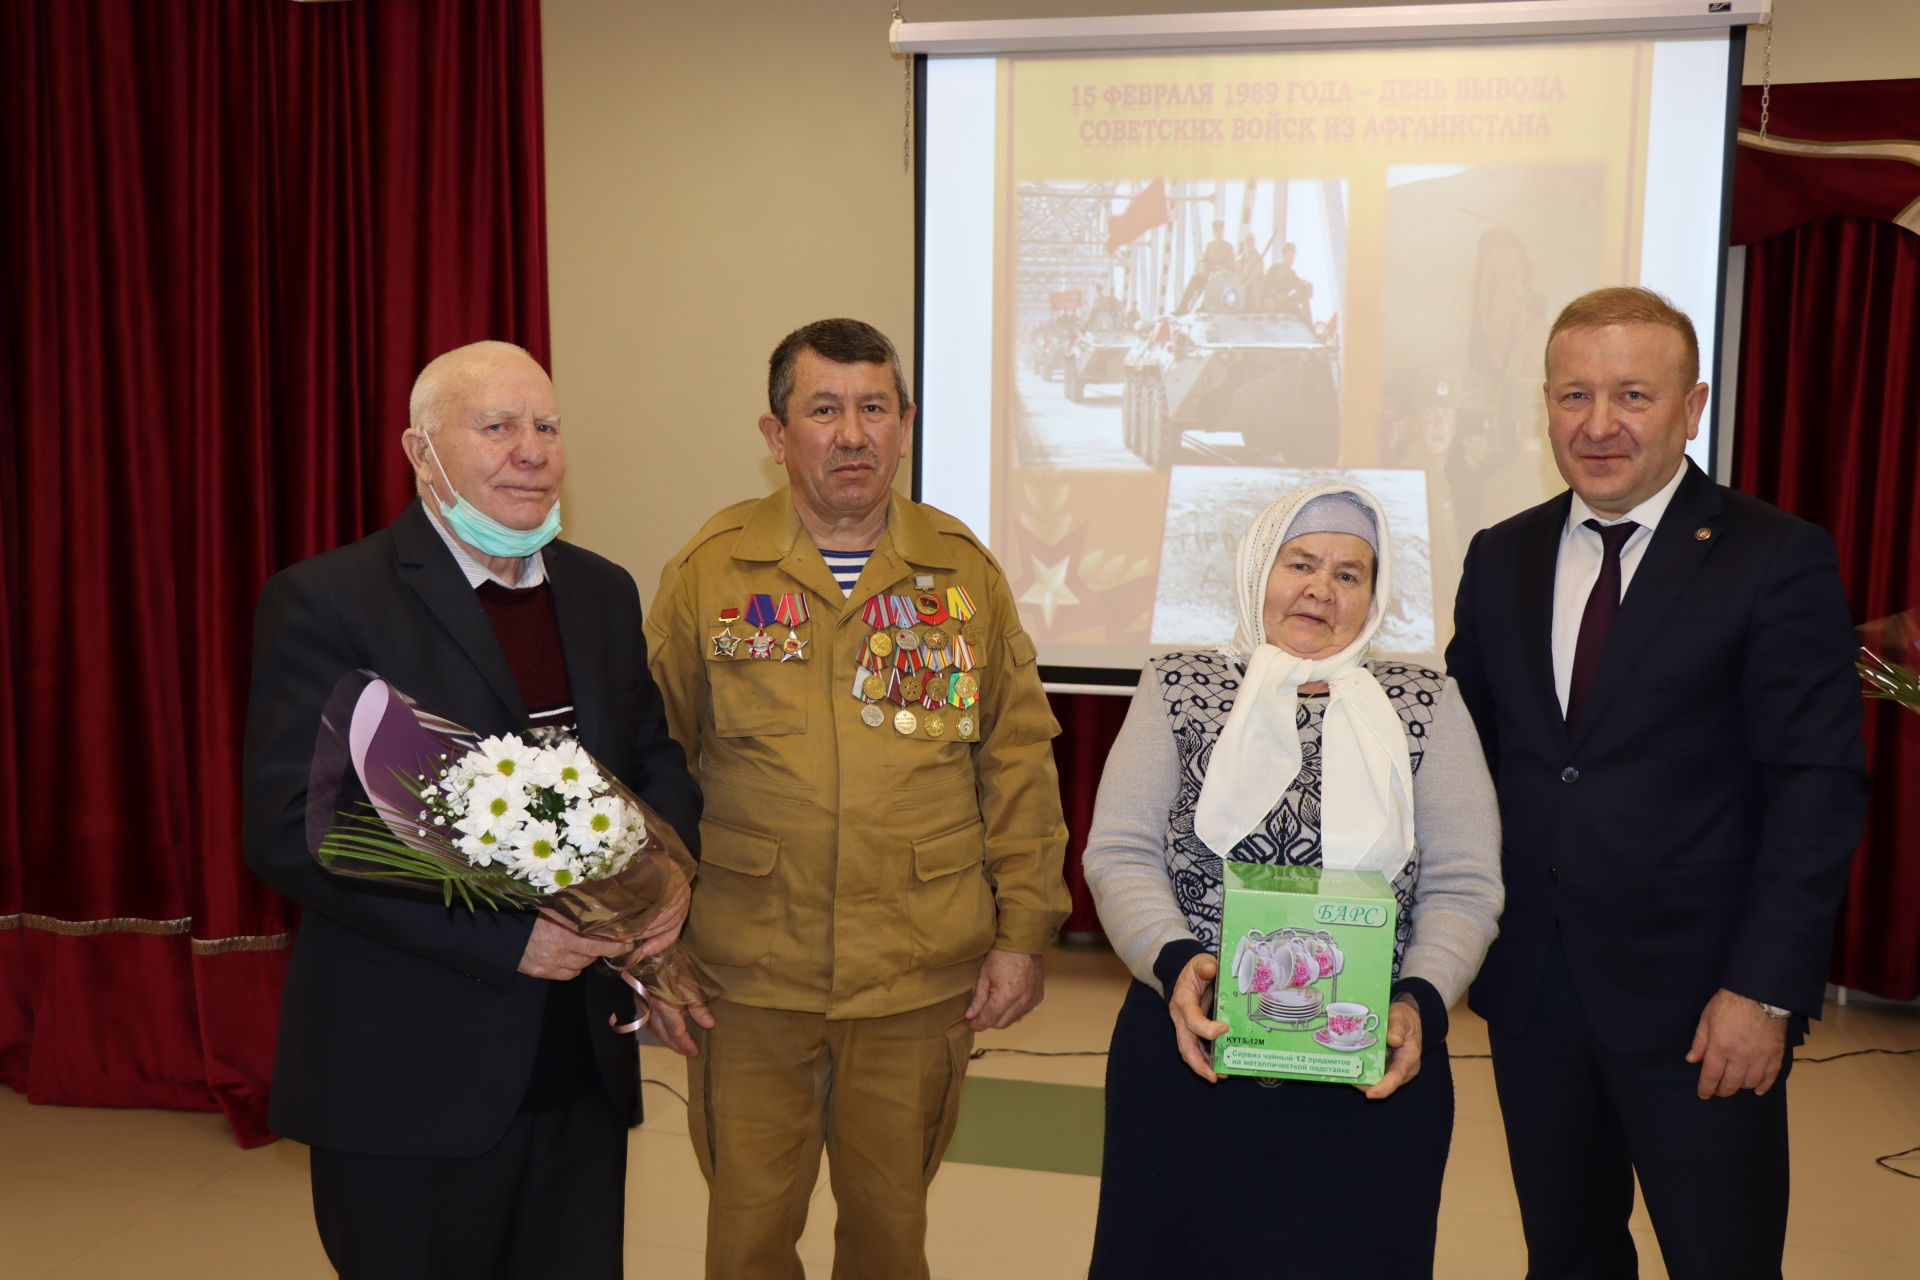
<point x="1306" y="970"/>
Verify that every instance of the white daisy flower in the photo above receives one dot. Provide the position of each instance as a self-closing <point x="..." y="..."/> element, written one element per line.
<point x="535" y="844"/>
<point x="547" y="864"/>
<point x="482" y="850"/>
<point x="569" y="871"/>
<point x="505" y="755"/>
<point x="574" y="774"/>
<point x="596" y="823"/>
<point x="501" y="800"/>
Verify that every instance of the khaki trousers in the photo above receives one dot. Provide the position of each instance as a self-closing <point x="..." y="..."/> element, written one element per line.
<point x="772" y="1087"/>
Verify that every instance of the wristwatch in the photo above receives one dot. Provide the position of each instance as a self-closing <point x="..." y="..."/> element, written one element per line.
<point x="1774" y="1011"/>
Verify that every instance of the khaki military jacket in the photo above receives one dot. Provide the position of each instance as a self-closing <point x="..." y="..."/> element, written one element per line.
<point x="848" y="868"/>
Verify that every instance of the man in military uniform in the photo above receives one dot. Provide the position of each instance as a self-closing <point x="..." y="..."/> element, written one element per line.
<point x="1216" y="256"/>
<point x="1283" y="289"/>
<point x="1251" y="267"/>
<point x="883" y="838"/>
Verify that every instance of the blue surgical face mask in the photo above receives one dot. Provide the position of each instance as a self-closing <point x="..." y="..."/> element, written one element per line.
<point x="485" y="534"/>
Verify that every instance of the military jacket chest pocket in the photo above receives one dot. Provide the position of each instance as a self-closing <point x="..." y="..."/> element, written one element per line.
<point x="755" y="698"/>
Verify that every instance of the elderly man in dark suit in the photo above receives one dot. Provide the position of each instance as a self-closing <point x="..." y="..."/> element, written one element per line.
<point x="454" y="1071"/>
<point x="1661" y="670"/>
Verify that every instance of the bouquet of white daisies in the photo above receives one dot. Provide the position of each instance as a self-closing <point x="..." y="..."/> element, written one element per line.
<point x="497" y="823"/>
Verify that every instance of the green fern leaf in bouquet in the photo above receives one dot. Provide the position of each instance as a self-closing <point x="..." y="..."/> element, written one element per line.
<point x="1890" y="680"/>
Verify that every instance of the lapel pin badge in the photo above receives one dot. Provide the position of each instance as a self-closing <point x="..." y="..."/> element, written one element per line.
<point x="1702" y="534"/>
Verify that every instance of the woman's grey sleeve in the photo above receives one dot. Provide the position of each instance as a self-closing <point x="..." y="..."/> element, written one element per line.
<point x="1456" y="821"/>
<point x="1126" y="857"/>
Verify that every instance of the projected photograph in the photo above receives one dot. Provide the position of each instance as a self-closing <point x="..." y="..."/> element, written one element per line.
<point x="1162" y="287"/>
<point x="1477" y="260"/>
<point x="1179" y="321"/>
<point x="1209" y="507"/>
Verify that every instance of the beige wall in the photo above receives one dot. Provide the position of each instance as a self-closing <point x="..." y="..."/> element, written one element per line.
<point x="1816" y="40"/>
<point x="720" y="173"/>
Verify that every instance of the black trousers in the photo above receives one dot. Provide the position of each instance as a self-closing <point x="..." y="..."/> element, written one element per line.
<point x="1251" y="1178"/>
<point x="1581" y="1121"/>
<point x="547" y="1200"/>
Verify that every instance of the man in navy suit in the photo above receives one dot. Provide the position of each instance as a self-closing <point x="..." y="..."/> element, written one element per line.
<point x="453" y="1070"/>
<point x="1661" y="670"/>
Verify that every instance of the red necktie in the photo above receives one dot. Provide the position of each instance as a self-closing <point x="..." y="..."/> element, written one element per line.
<point x="1597" y="621"/>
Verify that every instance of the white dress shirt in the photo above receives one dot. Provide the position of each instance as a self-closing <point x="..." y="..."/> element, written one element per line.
<point x="1579" y="566"/>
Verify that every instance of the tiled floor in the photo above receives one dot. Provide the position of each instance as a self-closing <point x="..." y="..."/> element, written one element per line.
<point x="148" y="1195"/>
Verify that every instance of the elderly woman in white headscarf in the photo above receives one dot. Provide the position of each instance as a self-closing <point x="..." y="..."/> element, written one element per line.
<point x="1289" y="746"/>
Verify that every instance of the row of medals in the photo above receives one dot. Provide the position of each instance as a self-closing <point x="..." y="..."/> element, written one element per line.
<point x="954" y="691"/>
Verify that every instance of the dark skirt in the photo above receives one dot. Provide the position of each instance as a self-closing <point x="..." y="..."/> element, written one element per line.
<point x="1258" y="1178"/>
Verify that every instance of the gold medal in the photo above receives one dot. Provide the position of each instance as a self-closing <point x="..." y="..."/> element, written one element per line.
<point x="970" y="632"/>
<point x="873" y="715"/>
<point x="880" y="644"/>
<point x="965" y="727"/>
<point x="934" y="638"/>
<point x="905" y="722"/>
<point x="912" y="686"/>
<point x="874" y="686"/>
<point x="936" y="725"/>
<point x="966" y="688"/>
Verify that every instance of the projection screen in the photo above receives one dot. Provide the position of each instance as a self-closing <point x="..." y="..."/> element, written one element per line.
<point x="1158" y="289"/>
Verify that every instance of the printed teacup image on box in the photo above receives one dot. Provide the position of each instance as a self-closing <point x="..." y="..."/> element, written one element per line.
<point x="1280" y="974"/>
<point x="1349" y="1027"/>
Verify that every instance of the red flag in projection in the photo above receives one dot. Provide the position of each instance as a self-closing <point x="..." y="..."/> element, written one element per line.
<point x="1147" y="210"/>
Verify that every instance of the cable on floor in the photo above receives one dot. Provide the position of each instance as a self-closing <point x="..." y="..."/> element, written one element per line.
<point x="1882" y="1162"/>
<point x="1854" y="1053"/>
<point x="664" y="1085"/>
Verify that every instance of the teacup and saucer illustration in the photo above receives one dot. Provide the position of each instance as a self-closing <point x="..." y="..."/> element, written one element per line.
<point x="1349" y="1028"/>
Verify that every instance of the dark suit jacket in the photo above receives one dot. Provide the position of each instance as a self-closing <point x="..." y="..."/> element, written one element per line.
<point x="1696" y="832"/>
<point x="405" y="1027"/>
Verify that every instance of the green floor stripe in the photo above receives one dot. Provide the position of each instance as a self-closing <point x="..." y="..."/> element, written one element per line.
<point x="1020" y="1124"/>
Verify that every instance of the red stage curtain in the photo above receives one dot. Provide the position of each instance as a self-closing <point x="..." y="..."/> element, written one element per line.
<point x="1840" y="148"/>
<point x="231" y="233"/>
<point x="1829" y="428"/>
<point x="1089" y="722"/>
